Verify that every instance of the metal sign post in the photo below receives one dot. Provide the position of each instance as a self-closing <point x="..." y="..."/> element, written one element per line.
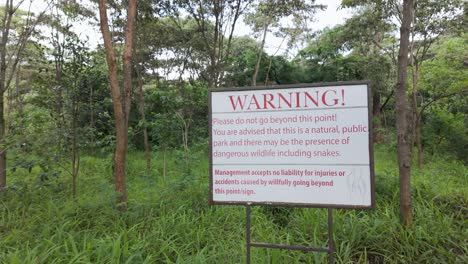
<point x="250" y="244"/>
<point x="331" y="246"/>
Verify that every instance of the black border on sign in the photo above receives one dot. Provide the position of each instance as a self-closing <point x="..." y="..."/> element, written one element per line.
<point x="302" y="85"/>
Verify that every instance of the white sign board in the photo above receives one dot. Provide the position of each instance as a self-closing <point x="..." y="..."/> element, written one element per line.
<point x="305" y="146"/>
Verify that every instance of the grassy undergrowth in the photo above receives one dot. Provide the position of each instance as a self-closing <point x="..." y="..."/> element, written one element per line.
<point x="169" y="220"/>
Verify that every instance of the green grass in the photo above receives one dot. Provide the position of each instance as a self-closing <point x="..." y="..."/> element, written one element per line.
<point x="169" y="220"/>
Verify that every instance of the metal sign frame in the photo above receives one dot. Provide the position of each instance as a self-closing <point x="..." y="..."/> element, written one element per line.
<point x="249" y="243"/>
<point x="308" y="205"/>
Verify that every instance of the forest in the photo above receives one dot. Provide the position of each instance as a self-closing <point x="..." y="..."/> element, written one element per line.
<point x="104" y="141"/>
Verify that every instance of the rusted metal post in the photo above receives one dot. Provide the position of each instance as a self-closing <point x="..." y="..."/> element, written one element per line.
<point x="247" y="232"/>
<point x="330" y="237"/>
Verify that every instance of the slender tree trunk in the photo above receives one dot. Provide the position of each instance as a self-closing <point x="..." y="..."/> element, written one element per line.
<point x="416" y="137"/>
<point x="164" y="163"/>
<point x="18" y="101"/>
<point x="401" y="118"/>
<point x="225" y="60"/>
<point x="186" y="149"/>
<point x="5" y="30"/>
<point x="376" y="97"/>
<point x="91" y="120"/>
<point x="260" y="53"/>
<point x="419" y="143"/>
<point x="185" y="125"/>
<point x="216" y="38"/>
<point x="60" y="121"/>
<point x="120" y="158"/>
<point x="377" y="114"/>
<point x="9" y="11"/>
<point x="414" y="102"/>
<point x="127" y="59"/>
<point x="271" y="60"/>
<point x="3" y="178"/>
<point x="141" y="107"/>
<point x="416" y="117"/>
<point x="120" y="98"/>
<point x="8" y="107"/>
<point x="267" y="80"/>
<point x="75" y="152"/>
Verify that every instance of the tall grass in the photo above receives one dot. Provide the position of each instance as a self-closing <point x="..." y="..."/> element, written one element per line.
<point x="169" y="220"/>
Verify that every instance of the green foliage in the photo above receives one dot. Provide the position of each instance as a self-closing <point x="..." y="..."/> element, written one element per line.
<point x="323" y="60"/>
<point x="242" y="65"/>
<point x="445" y="73"/>
<point x="284" y="72"/>
<point x="53" y="112"/>
<point x="172" y="45"/>
<point x="267" y="15"/>
<point x="171" y="222"/>
<point x="443" y="89"/>
<point x="31" y="144"/>
<point x="175" y="109"/>
<point x="445" y="132"/>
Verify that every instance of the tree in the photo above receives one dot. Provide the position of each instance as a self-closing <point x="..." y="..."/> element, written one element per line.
<point x="267" y="15"/>
<point x="141" y="109"/>
<point x="172" y="48"/>
<point x="431" y="20"/>
<point x="370" y="35"/>
<point x="9" y="64"/>
<point x="216" y="21"/>
<point x="76" y="82"/>
<point x="443" y="86"/>
<point x="401" y="104"/>
<point x="241" y="67"/>
<point x="121" y="98"/>
<point x="428" y="20"/>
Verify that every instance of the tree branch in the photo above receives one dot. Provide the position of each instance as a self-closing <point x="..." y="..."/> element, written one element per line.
<point x="437" y="98"/>
<point x="392" y="57"/>
<point x="387" y="100"/>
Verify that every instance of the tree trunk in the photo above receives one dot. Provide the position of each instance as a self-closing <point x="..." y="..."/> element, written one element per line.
<point x="237" y="14"/>
<point x="92" y="122"/>
<point x="3" y="176"/>
<point x="377" y="114"/>
<point x="267" y="75"/>
<point x="8" y="106"/>
<point x="260" y="53"/>
<point x="120" y="98"/>
<point x="401" y="118"/>
<point x="377" y="91"/>
<point x="18" y="101"/>
<point x="268" y="71"/>
<point x="120" y="157"/>
<point x="6" y="21"/>
<point x="164" y="163"/>
<point x="9" y="11"/>
<point x="141" y="107"/>
<point x="60" y="121"/>
<point x="217" y="10"/>
<point x="185" y="125"/>
<point x="416" y="137"/>
<point x="414" y="102"/>
<point x="419" y="143"/>
<point x="75" y="152"/>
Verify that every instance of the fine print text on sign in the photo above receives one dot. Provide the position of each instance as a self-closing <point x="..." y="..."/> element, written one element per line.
<point x="307" y="145"/>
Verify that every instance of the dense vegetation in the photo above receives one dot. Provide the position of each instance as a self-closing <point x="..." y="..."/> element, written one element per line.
<point x="169" y="220"/>
<point x="58" y="131"/>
